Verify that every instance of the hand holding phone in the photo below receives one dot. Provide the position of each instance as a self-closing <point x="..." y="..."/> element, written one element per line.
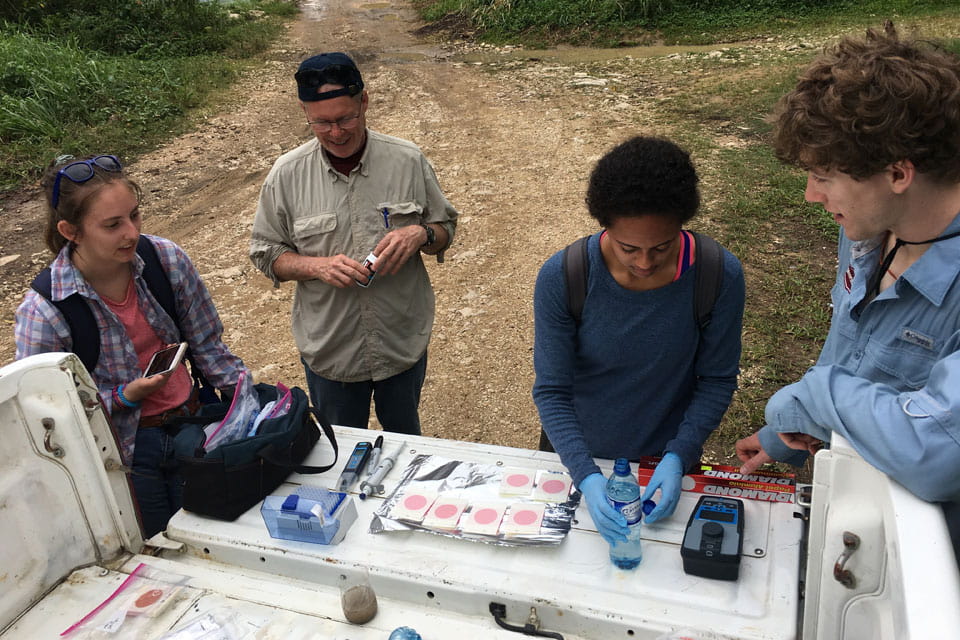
<point x="165" y="360"/>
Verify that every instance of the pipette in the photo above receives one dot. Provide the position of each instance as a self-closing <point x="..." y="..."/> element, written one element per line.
<point x="373" y="485"/>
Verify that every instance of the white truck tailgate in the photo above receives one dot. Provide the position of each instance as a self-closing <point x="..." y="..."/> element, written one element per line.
<point x="438" y="585"/>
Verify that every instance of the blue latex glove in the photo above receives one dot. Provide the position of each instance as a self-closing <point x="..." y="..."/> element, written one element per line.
<point x="666" y="477"/>
<point x="610" y="523"/>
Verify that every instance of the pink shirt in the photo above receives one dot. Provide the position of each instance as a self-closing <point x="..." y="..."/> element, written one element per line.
<point x="146" y="343"/>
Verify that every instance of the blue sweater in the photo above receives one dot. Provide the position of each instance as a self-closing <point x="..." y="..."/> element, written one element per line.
<point x="633" y="381"/>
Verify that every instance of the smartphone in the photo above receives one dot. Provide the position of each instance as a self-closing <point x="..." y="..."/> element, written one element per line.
<point x="165" y="360"/>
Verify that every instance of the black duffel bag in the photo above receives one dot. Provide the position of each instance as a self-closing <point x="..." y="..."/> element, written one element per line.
<point x="225" y="482"/>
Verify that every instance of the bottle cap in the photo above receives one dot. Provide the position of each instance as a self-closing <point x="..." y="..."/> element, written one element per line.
<point x="648" y="506"/>
<point x="621" y="467"/>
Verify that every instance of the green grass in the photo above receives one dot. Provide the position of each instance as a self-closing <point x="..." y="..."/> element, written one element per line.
<point x="76" y="81"/>
<point x="627" y="22"/>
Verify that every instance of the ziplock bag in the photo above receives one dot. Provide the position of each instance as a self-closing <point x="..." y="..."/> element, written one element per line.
<point x="130" y="610"/>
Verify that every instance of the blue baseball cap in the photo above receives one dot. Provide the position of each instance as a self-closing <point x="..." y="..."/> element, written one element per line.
<point x="327" y="68"/>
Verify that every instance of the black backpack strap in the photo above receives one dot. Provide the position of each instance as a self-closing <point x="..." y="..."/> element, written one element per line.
<point x="709" y="261"/>
<point x="576" y="269"/>
<point x="159" y="283"/>
<point x="83" y="325"/>
<point x="156" y="278"/>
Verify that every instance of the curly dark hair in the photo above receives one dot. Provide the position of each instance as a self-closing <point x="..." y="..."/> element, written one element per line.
<point x="643" y="176"/>
<point x="863" y="104"/>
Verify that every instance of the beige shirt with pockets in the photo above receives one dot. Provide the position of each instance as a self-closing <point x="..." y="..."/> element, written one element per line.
<point x="353" y="334"/>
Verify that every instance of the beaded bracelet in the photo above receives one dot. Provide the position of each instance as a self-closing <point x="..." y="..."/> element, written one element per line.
<point x="118" y="394"/>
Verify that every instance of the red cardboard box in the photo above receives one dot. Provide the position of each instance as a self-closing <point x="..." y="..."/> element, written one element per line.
<point x="721" y="480"/>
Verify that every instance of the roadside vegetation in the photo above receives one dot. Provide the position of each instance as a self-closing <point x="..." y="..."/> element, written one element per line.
<point x="118" y="75"/>
<point x="637" y="22"/>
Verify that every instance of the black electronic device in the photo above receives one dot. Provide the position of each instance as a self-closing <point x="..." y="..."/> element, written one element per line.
<point x="713" y="539"/>
<point x="355" y="465"/>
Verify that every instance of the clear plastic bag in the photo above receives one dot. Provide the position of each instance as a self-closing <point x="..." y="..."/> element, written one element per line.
<point x="220" y="623"/>
<point x="241" y="415"/>
<point x="274" y="408"/>
<point x="145" y="594"/>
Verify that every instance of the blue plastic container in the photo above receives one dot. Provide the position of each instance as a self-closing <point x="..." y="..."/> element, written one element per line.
<point x="310" y="514"/>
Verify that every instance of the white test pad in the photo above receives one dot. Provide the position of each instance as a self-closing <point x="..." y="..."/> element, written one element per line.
<point x="483" y="518"/>
<point x="523" y="518"/>
<point x="516" y="482"/>
<point x="552" y="486"/>
<point x="445" y="513"/>
<point x="413" y="505"/>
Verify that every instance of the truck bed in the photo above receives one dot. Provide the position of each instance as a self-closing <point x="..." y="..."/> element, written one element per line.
<point x="443" y="586"/>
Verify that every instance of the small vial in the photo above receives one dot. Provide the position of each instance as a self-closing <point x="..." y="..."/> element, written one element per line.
<point x="369" y="262"/>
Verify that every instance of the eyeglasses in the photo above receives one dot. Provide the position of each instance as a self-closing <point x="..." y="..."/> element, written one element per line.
<point x="346" y="123"/>
<point x="82" y="170"/>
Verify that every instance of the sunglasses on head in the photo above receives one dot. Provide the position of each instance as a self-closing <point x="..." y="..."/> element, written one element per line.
<point x="331" y="74"/>
<point x="82" y="170"/>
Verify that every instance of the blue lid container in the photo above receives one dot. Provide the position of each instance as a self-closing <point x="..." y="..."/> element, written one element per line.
<point x="308" y="515"/>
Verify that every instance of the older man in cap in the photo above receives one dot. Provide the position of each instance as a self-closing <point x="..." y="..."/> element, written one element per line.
<point x="333" y="213"/>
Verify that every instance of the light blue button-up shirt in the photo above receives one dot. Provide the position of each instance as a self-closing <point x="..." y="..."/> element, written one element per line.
<point x="888" y="378"/>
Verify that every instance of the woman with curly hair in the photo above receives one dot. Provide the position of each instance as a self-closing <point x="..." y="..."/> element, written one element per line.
<point x="636" y="375"/>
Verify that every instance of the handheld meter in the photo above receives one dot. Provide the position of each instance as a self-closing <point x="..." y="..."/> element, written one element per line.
<point x="714" y="538"/>
<point x="354" y="467"/>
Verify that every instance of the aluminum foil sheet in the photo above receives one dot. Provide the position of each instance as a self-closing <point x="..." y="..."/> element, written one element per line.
<point x="475" y="483"/>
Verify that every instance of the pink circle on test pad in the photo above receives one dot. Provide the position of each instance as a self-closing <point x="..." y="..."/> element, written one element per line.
<point x="416" y="501"/>
<point x="554" y="486"/>
<point x="445" y="511"/>
<point x="517" y="480"/>
<point x="526" y="516"/>
<point x="485" y="516"/>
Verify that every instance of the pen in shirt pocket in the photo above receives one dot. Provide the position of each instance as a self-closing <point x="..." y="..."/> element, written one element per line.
<point x="386" y="218"/>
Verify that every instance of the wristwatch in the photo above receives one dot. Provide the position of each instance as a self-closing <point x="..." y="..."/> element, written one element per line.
<point x="431" y="234"/>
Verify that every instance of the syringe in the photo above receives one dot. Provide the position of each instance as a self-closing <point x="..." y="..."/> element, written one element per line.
<point x="373" y="485"/>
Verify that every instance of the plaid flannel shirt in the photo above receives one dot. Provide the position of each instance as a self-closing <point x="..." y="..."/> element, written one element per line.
<point x="41" y="328"/>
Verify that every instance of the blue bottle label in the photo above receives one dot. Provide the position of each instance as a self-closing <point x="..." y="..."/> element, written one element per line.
<point x="630" y="510"/>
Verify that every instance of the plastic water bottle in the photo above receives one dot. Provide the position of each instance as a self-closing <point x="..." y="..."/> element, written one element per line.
<point x="404" y="633"/>
<point x="623" y="494"/>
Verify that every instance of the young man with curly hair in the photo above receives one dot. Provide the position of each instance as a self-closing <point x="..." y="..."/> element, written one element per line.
<point x="875" y="122"/>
